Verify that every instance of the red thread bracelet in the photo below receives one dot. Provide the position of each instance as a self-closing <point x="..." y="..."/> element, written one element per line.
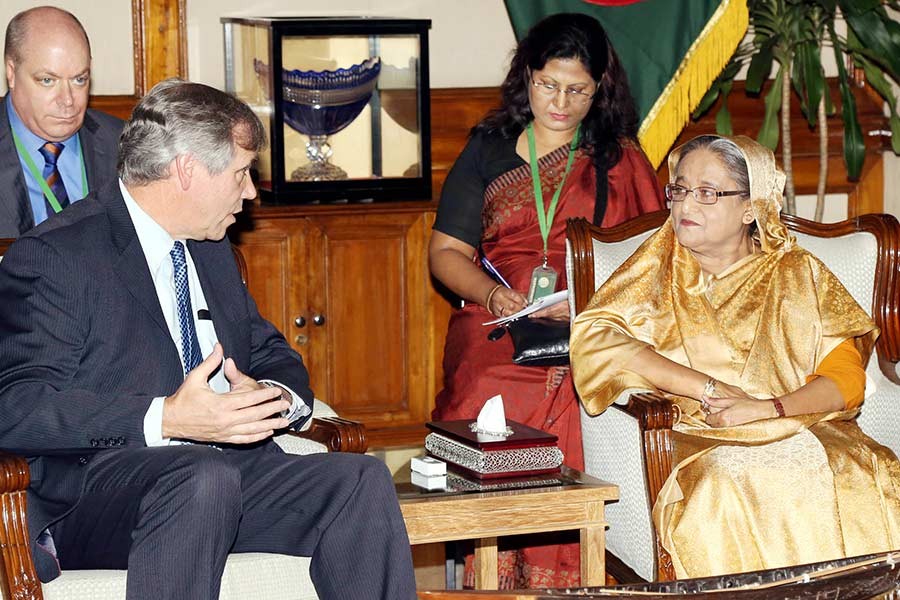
<point x="779" y="407"/>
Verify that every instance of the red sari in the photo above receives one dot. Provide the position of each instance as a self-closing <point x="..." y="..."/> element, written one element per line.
<point x="476" y="368"/>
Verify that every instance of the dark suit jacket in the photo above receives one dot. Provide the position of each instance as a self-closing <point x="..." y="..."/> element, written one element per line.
<point x="84" y="346"/>
<point x="100" y="141"/>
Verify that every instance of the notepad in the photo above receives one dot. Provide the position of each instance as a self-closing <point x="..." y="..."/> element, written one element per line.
<point x="554" y="298"/>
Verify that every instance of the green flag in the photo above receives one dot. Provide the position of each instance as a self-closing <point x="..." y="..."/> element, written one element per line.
<point x="672" y="51"/>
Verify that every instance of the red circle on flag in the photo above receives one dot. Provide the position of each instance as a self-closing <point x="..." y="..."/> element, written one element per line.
<point x="612" y="2"/>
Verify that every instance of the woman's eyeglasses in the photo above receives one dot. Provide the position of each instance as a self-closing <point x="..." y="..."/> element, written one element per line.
<point x="702" y="194"/>
<point x="551" y="90"/>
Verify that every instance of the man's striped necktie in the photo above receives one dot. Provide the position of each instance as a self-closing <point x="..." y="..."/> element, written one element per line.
<point x="51" y="151"/>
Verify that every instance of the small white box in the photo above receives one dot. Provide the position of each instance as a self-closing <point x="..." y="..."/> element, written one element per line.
<point x="426" y="465"/>
<point x="433" y="482"/>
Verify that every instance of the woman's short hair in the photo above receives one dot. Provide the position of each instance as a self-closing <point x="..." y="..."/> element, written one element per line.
<point x="179" y="117"/>
<point x="726" y="151"/>
<point x="612" y="116"/>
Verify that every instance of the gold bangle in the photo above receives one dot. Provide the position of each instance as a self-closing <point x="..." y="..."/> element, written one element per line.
<point x="708" y="390"/>
<point x="487" y="303"/>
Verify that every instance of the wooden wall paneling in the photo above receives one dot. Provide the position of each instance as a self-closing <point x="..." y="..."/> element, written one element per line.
<point x="439" y="311"/>
<point x="868" y="196"/>
<point x="119" y="106"/>
<point x="160" y="42"/>
<point x="454" y="112"/>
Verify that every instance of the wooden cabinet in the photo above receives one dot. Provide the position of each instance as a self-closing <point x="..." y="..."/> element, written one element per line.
<point x="349" y="287"/>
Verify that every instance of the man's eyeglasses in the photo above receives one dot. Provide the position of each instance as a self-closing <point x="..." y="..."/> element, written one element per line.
<point x="703" y="194"/>
<point x="550" y="90"/>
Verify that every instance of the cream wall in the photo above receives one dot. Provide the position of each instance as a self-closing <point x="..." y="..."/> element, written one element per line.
<point x="108" y="25"/>
<point x="470" y="40"/>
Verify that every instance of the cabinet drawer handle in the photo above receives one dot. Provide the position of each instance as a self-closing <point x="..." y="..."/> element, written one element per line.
<point x="301" y="340"/>
<point x="318" y="320"/>
<point x="300" y="321"/>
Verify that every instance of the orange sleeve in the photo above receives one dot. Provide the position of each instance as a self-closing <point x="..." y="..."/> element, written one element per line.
<point x="844" y="367"/>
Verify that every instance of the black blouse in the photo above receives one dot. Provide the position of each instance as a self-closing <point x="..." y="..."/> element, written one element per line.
<point x="485" y="157"/>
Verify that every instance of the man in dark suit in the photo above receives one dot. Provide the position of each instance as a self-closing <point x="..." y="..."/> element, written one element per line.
<point x="46" y="132"/>
<point x="144" y="454"/>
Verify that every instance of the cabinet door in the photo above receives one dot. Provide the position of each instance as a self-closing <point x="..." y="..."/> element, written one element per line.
<point x="276" y="254"/>
<point x="370" y="321"/>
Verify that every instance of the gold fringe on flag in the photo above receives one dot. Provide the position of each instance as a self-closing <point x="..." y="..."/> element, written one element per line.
<point x="703" y="62"/>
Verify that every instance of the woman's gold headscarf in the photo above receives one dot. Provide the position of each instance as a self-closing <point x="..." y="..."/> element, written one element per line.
<point x="766" y="186"/>
<point x="764" y="324"/>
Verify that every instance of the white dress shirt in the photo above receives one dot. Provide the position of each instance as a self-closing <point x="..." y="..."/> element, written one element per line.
<point x="157" y="243"/>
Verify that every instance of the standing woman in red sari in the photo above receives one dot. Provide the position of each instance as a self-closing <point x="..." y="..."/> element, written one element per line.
<point x="567" y="121"/>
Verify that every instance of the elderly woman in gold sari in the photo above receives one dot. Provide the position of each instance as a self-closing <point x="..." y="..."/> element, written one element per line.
<point x="763" y="350"/>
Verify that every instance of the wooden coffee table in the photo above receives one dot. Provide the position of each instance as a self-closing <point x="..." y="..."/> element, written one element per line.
<point x="567" y="501"/>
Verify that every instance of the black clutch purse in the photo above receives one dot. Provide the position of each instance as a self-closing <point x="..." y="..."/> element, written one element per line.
<point x="540" y="342"/>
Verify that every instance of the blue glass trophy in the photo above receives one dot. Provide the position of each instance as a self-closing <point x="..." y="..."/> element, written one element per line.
<point x="321" y="103"/>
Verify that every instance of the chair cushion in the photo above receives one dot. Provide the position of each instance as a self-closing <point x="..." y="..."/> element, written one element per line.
<point x="853" y="259"/>
<point x="252" y="575"/>
<point x="613" y="452"/>
<point x="613" y="449"/>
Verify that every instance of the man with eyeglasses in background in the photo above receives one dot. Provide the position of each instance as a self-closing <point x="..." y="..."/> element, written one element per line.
<point x="53" y="150"/>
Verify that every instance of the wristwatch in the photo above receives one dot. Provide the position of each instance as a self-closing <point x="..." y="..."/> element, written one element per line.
<point x="285" y="395"/>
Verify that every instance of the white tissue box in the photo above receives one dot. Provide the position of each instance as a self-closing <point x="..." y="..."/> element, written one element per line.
<point x="429" y="466"/>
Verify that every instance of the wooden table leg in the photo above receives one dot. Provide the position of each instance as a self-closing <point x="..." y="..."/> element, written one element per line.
<point x="593" y="548"/>
<point x="486" y="577"/>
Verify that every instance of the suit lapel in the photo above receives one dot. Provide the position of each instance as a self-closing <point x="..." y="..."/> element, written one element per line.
<point x="94" y="154"/>
<point x="15" y="207"/>
<point x="222" y="298"/>
<point x="131" y="264"/>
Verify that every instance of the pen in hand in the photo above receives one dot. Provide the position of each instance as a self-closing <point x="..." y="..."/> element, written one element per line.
<point x="497" y="332"/>
<point x="493" y="271"/>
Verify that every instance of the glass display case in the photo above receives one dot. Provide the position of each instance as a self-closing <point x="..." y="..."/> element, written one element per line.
<point x="345" y="103"/>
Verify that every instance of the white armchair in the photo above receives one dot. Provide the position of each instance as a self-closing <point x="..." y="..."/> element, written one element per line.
<point x="252" y="575"/>
<point x="632" y="444"/>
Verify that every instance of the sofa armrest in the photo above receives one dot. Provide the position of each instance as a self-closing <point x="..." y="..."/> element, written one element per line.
<point x="656" y="415"/>
<point x="19" y="579"/>
<point x="336" y="434"/>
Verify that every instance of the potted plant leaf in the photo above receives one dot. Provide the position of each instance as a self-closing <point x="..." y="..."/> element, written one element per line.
<point x="793" y="35"/>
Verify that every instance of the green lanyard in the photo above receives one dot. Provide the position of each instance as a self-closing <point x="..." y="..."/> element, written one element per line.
<point x="48" y="193"/>
<point x="545" y="219"/>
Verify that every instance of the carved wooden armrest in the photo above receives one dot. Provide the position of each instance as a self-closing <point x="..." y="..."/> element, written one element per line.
<point x="19" y="579"/>
<point x="337" y="434"/>
<point x="656" y="415"/>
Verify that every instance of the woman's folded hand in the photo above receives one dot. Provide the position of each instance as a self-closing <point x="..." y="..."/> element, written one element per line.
<point x="727" y="411"/>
